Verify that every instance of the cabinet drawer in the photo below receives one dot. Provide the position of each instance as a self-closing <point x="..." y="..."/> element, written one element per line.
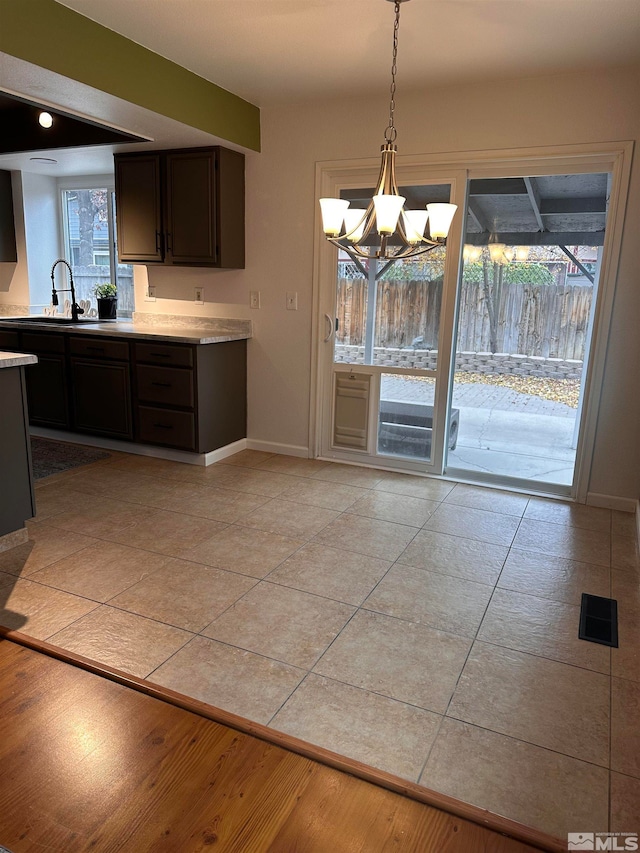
<point x="8" y="340"/>
<point x="168" y="385"/>
<point x="99" y="348"/>
<point x="167" y="354"/>
<point x="42" y="342"/>
<point x="164" y="426"/>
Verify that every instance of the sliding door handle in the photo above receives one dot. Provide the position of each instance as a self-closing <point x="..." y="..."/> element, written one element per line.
<point x="330" y="332"/>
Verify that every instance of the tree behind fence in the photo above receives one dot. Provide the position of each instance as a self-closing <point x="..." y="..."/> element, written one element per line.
<point x="548" y="320"/>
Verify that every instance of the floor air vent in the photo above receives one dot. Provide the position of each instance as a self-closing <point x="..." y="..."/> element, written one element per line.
<point x="599" y="620"/>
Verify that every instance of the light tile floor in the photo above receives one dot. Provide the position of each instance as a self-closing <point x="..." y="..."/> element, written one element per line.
<point x="424" y="627"/>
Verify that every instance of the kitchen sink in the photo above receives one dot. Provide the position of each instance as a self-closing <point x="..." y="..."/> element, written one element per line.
<point x="55" y="321"/>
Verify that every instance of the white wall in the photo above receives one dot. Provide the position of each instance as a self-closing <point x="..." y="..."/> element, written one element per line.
<point x="41" y="216"/>
<point x="27" y="284"/>
<point x="14" y="277"/>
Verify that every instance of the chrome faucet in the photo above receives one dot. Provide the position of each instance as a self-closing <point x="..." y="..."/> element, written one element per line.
<point x="75" y="308"/>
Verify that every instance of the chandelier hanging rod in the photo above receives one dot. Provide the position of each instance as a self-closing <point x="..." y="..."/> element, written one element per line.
<point x="404" y="230"/>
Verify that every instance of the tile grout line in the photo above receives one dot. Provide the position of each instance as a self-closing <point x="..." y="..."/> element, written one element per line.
<point x="475" y="638"/>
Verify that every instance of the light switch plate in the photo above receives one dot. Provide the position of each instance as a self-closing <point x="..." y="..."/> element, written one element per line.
<point x="292" y="300"/>
<point x="199" y="295"/>
<point x="150" y="295"/>
<point x="254" y="299"/>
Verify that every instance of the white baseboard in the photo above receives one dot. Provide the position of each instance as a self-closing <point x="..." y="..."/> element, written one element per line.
<point x="275" y="447"/>
<point x="203" y="459"/>
<point x="612" y="502"/>
<point x="224" y="452"/>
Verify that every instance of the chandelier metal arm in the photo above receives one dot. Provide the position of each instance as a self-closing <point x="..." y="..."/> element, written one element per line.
<point x="353" y="250"/>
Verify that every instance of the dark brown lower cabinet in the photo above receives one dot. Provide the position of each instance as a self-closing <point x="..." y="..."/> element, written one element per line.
<point x="47" y="391"/>
<point x="101" y="398"/>
<point x="47" y="381"/>
<point x="189" y="397"/>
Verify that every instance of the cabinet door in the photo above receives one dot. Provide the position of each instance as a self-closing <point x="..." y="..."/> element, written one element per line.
<point x="139" y="208"/>
<point x="190" y="229"/>
<point x="47" y="391"/>
<point x="101" y="398"/>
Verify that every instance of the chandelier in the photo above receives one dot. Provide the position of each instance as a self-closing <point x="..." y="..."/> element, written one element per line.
<point x="401" y="233"/>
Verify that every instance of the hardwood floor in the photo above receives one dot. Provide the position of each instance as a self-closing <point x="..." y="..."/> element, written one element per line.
<point x="89" y="764"/>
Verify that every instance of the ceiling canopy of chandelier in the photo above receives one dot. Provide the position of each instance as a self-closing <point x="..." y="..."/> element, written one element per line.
<point x="385" y="230"/>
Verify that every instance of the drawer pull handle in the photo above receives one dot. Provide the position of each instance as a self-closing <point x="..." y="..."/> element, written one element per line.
<point x="163" y="426"/>
<point x="161" y="384"/>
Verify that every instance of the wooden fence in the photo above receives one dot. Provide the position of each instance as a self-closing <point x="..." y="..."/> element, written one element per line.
<point x="534" y="319"/>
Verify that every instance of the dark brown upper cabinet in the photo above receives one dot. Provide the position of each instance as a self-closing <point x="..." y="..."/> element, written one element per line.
<point x="182" y="207"/>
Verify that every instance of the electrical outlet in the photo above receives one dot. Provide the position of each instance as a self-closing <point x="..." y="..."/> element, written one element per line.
<point x="292" y="301"/>
<point x="199" y="295"/>
<point x="254" y="299"/>
<point x="150" y="295"/>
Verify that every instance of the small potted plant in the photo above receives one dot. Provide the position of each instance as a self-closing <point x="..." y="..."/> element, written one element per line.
<point x="106" y="294"/>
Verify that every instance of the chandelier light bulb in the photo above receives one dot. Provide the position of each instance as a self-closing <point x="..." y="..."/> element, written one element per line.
<point x="45" y="120"/>
<point x="522" y="253"/>
<point x="496" y="252"/>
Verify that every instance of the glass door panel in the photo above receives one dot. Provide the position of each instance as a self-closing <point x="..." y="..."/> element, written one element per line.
<point x="388" y="315"/>
<point x="405" y="416"/>
<point x="525" y="312"/>
<point x="393" y="323"/>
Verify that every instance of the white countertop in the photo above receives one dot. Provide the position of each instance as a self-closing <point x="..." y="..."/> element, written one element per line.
<point x="16" y="359"/>
<point x="215" y="333"/>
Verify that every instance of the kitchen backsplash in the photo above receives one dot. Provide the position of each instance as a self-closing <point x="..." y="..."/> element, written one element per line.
<point x="13" y="310"/>
<point x="213" y="324"/>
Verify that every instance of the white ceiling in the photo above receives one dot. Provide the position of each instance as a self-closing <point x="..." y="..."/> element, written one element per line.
<point x="267" y="50"/>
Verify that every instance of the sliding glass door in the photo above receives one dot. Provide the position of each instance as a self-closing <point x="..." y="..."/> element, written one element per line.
<point x="475" y="361"/>
<point x="526" y="300"/>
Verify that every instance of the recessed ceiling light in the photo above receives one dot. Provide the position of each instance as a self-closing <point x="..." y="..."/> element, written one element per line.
<point x="42" y="160"/>
<point x="45" y="119"/>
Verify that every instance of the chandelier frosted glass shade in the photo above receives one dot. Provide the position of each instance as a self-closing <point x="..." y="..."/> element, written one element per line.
<point x="440" y="218"/>
<point x="354" y="222"/>
<point x="387" y="208"/>
<point x="333" y="213"/>
<point x="415" y="223"/>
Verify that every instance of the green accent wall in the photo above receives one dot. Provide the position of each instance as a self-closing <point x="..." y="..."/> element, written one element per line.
<point x="52" y="36"/>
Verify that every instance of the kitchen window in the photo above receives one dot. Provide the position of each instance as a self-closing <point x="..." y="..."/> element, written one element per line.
<point x="90" y="246"/>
